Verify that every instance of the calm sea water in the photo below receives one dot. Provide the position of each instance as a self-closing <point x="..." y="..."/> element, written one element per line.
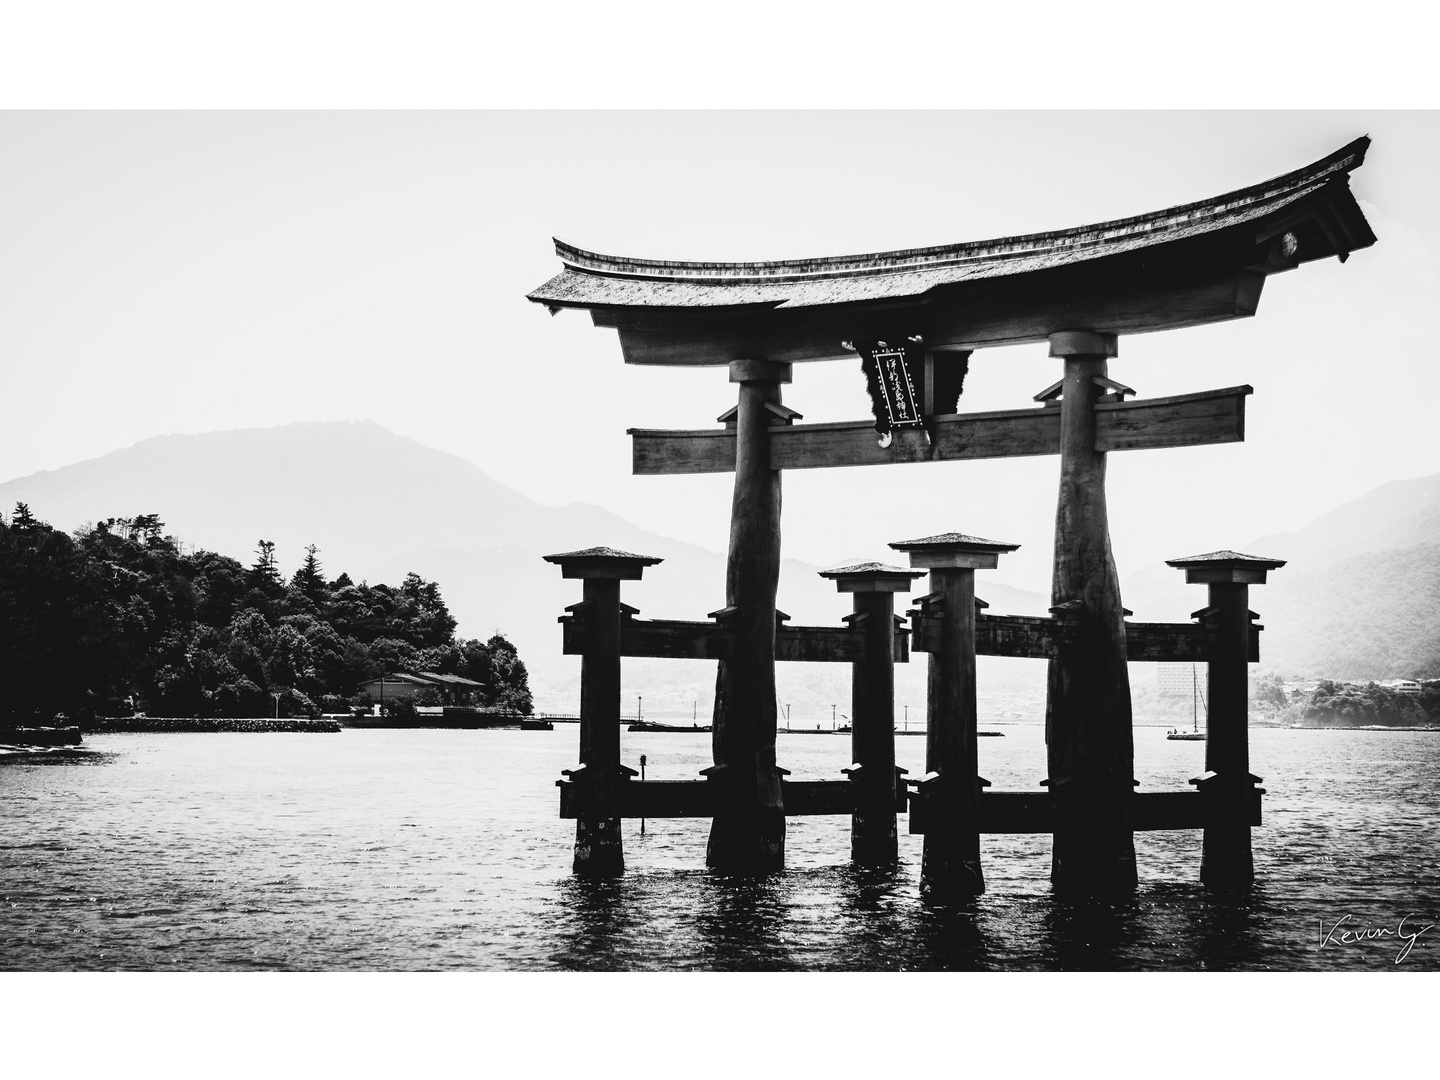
<point x="424" y="850"/>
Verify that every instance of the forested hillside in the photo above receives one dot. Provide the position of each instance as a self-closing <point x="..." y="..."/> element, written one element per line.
<point x="1358" y="597"/>
<point x="114" y="618"/>
<point x="1375" y="616"/>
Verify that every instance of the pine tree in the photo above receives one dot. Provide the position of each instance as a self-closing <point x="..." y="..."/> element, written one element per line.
<point x="308" y="579"/>
<point x="265" y="575"/>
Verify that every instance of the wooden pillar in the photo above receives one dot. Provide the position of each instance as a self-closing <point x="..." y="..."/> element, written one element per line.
<point x="599" y="849"/>
<point x="948" y="796"/>
<point x="1091" y="748"/>
<point x="873" y="841"/>
<point x="1228" y="786"/>
<point x="747" y="835"/>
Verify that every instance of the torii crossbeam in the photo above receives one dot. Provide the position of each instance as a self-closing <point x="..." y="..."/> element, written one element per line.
<point x="914" y="317"/>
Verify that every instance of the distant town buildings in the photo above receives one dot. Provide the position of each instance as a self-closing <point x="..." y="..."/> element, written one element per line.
<point x="1401" y="686"/>
<point x="1295" y="688"/>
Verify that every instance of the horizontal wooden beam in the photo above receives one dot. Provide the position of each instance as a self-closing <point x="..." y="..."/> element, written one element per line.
<point x="1000" y="811"/>
<point x="680" y="640"/>
<point x="700" y="798"/>
<point x="1212" y="416"/>
<point x="1034" y="812"/>
<point x="995" y="635"/>
<point x="1045" y="639"/>
<point x="997" y="314"/>
<point x="1169" y="642"/>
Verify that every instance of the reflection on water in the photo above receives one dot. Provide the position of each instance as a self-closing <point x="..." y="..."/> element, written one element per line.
<point x="376" y="850"/>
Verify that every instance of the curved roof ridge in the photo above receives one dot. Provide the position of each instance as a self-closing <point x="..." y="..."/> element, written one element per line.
<point x="1283" y="188"/>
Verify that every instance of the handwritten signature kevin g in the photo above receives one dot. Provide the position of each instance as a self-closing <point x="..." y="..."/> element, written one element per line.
<point x="1345" y="931"/>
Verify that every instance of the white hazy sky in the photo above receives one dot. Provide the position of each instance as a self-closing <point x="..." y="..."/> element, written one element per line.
<point x="190" y="272"/>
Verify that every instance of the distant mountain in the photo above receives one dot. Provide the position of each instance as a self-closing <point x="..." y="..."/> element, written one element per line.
<point x="1358" y="598"/>
<point x="378" y="505"/>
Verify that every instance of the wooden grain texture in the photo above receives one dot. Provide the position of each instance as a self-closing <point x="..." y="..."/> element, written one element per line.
<point x="1037" y="812"/>
<point x="747" y="834"/>
<point x="1172" y="643"/>
<point x="1188" y="420"/>
<point x="820" y="644"/>
<point x="1201" y="419"/>
<point x="1021" y="635"/>
<point x="1090" y="746"/>
<point x="1126" y="302"/>
<point x="998" y="811"/>
<point x="598" y="846"/>
<point x="703" y="798"/>
<point x="682" y="640"/>
<point x="666" y="453"/>
<point x="873" y="839"/>
<point x="1045" y="639"/>
<point x="1226" y="860"/>
<point x="950" y="867"/>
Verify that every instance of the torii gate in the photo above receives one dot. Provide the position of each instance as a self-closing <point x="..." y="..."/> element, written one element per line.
<point x="914" y="317"/>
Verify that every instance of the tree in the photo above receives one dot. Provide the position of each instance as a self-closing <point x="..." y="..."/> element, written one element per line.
<point x="116" y="614"/>
<point x="265" y="575"/>
<point x="308" y="580"/>
<point x="421" y="617"/>
<point x="1270" y="691"/>
<point x="497" y="664"/>
<point x="58" y="640"/>
<point x="146" y="529"/>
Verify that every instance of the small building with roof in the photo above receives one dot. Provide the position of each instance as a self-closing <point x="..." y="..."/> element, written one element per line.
<point x="453" y="689"/>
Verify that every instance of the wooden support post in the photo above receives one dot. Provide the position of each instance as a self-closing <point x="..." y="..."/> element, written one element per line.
<point x="873" y="841"/>
<point x="1091" y="749"/>
<point x="599" y="849"/>
<point x="747" y="835"/>
<point x="950" y="865"/>
<point x="1228" y="787"/>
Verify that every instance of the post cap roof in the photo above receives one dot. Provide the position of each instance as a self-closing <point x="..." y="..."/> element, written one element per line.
<point x="597" y="553"/>
<point x="953" y="541"/>
<point x="602" y="562"/>
<point x="1226" y="559"/>
<point x="870" y="568"/>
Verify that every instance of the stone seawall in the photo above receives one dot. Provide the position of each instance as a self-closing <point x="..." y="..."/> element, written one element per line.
<point x="196" y="723"/>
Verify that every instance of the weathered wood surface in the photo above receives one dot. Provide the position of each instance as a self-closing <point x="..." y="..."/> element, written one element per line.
<point x="1226" y="859"/>
<point x="873" y="838"/>
<point x="1216" y="416"/>
<point x="1090" y="746"/>
<point x="1169" y="642"/>
<point x="950" y="859"/>
<point x="684" y="640"/>
<point x="1045" y="639"/>
<point x="747" y="833"/>
<point x="1117" y="302"/>
<point x="1021" y="635"/>
<point x="1035" y="812"/>
<point x="701" y="798"/>
<point x="598" y="845"/>
<point x="999" y="811"/>
<point x="1213" y="416"/>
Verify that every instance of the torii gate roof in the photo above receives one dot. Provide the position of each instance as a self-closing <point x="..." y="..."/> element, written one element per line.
<point x="1200" y="262"/>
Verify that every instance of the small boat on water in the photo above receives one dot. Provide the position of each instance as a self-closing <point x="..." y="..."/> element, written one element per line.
<point x="536" y="725"/>
<point x="1194" y="734"/>
<point x="650" y="725"/>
